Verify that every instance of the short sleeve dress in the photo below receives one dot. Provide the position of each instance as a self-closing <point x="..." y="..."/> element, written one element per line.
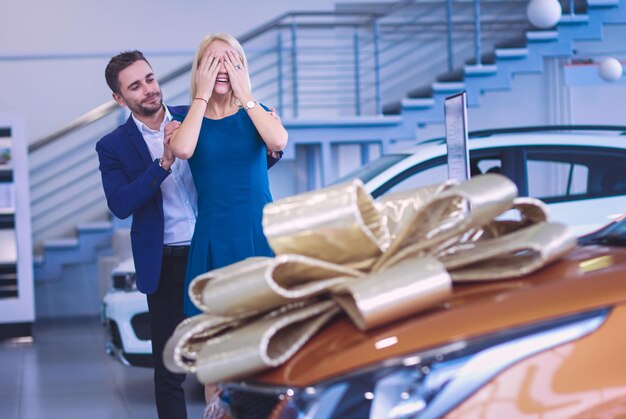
<point x="229" y="168"/>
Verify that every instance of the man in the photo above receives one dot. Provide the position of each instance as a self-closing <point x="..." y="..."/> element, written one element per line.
<point x="141" y="177"/>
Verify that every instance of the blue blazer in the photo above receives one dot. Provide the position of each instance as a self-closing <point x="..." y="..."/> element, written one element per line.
<point x="132" y="186"/>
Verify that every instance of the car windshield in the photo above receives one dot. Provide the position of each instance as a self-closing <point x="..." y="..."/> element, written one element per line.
<point x="373" y="168"/>
<point x="612" y="235"/>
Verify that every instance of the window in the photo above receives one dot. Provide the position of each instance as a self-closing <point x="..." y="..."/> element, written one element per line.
<point x="553" y="179"/>
<point x="563" y="173"/>
<point x="423" y="174"/>
<point x="373" y="168"/>
<point x="430" y="176"/>
<point x="489" y="165"/>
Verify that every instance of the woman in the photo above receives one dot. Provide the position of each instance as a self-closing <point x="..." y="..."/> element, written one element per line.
<point x="226" y="135"/>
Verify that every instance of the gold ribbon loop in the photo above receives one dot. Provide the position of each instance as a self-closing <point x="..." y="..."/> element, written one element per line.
<point x="525" y="212"/>
<point x="512" y="255"/>
<point x="339" y="224"/>
<point x="213" y="279"/>
<point x="399" y="208"/>
<point x="257" y="285"/>
<point x="531" y="210"/>
<point x="402" y="290"/>
<point x="268" y="342"/>
<point x="181" y="349"/>
<point x="449" y="215"/>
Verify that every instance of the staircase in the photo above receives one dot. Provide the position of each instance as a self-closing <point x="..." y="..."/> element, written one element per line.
<point x="92" y="239"/>
<point x="344" y="78"/>
<point x="498" y="69"/>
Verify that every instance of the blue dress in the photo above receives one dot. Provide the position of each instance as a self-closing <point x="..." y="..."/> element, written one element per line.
<point x="229" y="168"/>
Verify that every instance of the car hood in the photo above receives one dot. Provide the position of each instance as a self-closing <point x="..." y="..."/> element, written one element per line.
<point x="587" y="278"/>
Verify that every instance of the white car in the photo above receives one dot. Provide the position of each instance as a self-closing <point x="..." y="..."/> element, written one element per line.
<point x="581" y="175"/>
<point x="125" y="316"/>
<point x="579" y="172"/>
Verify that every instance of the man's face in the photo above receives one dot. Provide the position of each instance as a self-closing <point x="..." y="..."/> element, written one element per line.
<point x="139" y="89"/>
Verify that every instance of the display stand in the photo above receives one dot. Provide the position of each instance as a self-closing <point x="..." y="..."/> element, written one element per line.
<point x="17" y="306"/>
<point x="456" y="136"/>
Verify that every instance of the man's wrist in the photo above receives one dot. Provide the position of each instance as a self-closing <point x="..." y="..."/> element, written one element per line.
<point x="167" y="166"/>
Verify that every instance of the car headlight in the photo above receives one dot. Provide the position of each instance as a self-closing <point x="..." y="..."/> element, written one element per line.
<point x="431" y="383"/>
<point x="123" y="281"/>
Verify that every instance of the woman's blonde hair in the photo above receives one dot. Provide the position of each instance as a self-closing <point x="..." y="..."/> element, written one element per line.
<point x="230" y="40"/>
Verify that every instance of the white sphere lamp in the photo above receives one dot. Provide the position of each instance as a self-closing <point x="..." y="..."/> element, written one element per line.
<point x="610" y="69"/>
<point x="544" y="14"/>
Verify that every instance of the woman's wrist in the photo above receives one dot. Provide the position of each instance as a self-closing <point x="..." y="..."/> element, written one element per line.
<point x="244" y="97"/>
<point x="202" y="99"/>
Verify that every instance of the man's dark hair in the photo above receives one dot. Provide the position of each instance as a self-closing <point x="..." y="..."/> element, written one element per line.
<point x="119" y="63"/>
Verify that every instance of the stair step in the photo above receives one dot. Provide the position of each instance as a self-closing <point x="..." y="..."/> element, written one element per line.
<point x="512" y="52"/>
<point x="393" y="108"/>
<point x="455" y="75"/>
<point x="602" y="3"/>
<point x="448" y="87"/>
<point x="542" y="36"/>
<point x="418" y="103"/>
<point x="574" y="19"/>
<point x="480" y="70"/>
<point x="485" y="58"/>
<point x="514" y="42"/>
<point x="421" y="92"/>
<point x="60" y="243"/>
<point x="95" y="226"/>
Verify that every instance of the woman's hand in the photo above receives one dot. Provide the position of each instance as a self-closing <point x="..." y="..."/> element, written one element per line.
<point x="168" y="155"/>
<point x="275" y="154"/>
<point x="238" y="75"/>
<point x="206" y="75"/>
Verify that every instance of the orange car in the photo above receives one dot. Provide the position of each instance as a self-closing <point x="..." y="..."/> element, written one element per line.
<point x="552" y="344"/>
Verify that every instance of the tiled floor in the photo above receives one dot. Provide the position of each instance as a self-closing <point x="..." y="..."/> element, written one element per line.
<point x="66" y="374"/>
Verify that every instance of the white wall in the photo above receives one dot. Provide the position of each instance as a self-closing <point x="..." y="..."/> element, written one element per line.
<point x="85" y="34"/>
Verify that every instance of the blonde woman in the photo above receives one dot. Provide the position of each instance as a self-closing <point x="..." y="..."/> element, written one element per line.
<point x="225" y="136"/>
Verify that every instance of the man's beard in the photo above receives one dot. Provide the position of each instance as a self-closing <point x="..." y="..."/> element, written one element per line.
<point x="147" y="110"/>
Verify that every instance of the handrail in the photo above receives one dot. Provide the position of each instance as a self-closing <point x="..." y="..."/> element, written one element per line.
<point x="85" y="119"/>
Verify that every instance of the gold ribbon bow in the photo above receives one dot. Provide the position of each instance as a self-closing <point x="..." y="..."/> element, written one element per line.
<point x="378" y="261"/>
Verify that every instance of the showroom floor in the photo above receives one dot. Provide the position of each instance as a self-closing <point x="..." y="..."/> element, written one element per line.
<point x="66" y="374"/>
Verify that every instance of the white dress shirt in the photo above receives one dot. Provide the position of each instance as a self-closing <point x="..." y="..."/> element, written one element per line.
<point x="180" y="199"/>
